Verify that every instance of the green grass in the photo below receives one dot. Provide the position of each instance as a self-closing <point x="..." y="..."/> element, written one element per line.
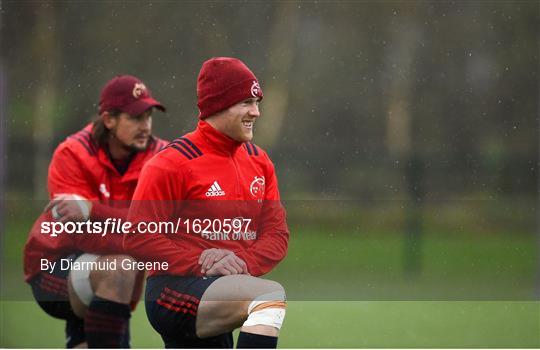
<point x="395" y="324"/>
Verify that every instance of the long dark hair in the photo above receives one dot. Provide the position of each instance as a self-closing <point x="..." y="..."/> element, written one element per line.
<point x="100" y="131"/>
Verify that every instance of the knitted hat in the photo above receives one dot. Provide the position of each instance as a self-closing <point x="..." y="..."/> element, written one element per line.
<point x="128" y="94"/>
<point x="223" y="82"/>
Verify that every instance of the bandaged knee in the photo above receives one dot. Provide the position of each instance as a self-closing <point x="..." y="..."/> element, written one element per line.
<point x="267" y="310"/>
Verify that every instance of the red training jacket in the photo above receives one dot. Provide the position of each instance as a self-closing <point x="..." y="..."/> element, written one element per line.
<point x="80" y="167"/>
<point x="206" y="175"/>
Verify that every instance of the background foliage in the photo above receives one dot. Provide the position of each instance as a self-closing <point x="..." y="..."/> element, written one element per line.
<point x="405" y="137"/>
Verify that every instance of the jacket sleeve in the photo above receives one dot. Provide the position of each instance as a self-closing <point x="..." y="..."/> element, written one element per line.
<point x="67" y="175"/>
<point x="101" y="211"/>
<point x="155" y="200"/>
<point x="273" y="234"/>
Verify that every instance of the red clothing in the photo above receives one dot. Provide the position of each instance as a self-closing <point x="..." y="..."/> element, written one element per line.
<point x="208" y="175"/>
<point x="80" y="167"/>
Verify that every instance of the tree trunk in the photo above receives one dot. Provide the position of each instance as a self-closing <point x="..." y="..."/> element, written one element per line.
<point x="275" y="84"/>
<point x="400" y="135"/>
<point x="46" y="47"/>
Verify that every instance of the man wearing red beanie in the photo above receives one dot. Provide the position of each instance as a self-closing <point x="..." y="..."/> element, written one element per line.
<point x="91" y="179"/>
<point x="222" y="192"/>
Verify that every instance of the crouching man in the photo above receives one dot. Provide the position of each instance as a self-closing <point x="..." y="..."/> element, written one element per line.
<point x="222" y="191"/>
<point x="92" y="176"/>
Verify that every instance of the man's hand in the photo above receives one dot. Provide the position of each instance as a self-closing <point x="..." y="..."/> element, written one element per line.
<point x="228" y="265"/>
<point x="211" y="256"/>
<point x="216" y="262"/>
<point x="69" y="207"/>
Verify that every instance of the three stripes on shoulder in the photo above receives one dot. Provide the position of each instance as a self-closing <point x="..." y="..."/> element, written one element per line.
<point x="186" y="147"/>
<point x="189" y="150"/>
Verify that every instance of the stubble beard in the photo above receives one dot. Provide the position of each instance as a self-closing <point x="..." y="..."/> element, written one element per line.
<point x="131" y="148"/>
<point x="135" y="148"/>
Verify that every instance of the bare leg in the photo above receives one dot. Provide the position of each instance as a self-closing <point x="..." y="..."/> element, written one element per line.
<point x="112" y="285"/>
<point x="224" y="305"/>
<point x="115" y="285"/>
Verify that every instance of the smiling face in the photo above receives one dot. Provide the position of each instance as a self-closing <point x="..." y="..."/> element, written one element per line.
<point x="130" y="133"/>
<point x="238" y="120"/>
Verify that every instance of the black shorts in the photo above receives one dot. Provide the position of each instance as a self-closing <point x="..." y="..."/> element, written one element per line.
<point x="171" y="307"/>
<point x="51" y="294"/>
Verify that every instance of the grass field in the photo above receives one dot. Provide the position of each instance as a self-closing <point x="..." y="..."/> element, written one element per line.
<point x="373" y="324"/>
<point x="347" y="289"/>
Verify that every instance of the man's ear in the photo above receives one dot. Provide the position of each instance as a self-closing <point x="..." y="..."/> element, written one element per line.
<point x="108" y="120"/>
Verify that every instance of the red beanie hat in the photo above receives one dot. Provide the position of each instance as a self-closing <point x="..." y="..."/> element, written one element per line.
<point x="222" y="82"/>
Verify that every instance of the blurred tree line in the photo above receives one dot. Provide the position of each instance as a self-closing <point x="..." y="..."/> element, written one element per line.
<point x="365" y="100"/>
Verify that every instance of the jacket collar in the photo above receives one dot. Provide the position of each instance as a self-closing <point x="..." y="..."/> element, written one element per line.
<point x="218" y="141"/>
<point x="134" y="167"/>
